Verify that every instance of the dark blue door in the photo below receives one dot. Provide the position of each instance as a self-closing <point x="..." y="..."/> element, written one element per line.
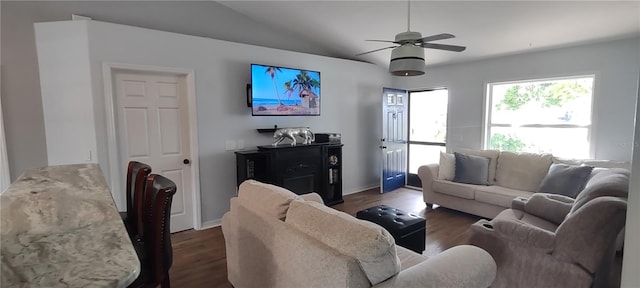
<point x="394" y="139"/>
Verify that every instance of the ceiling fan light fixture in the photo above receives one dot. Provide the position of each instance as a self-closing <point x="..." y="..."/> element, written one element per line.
<point x="407" y="60"/>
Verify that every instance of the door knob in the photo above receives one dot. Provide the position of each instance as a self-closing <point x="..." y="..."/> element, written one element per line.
<point x="383" y="147"/>
<point x="186" y="161"/>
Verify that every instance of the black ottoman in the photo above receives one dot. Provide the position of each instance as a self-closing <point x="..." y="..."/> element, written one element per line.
<point x="406" y="228"/>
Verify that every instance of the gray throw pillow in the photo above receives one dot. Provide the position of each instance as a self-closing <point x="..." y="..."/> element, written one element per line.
<point x="471" y="169"/>
<point x="567" y="180"/>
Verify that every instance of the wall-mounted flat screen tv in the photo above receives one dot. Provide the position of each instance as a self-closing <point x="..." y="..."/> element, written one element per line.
<point x="281" y="91"/>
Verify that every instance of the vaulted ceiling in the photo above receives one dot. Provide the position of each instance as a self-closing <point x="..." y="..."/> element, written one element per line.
<point x="486" y="28"/>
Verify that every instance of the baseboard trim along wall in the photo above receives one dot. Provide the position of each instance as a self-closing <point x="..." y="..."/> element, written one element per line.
<point x="211" y="224"/>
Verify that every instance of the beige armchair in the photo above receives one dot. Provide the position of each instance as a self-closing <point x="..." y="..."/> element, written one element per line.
<point x="550" y="240"/>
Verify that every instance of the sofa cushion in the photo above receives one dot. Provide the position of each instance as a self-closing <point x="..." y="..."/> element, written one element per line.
<point x="493" y="162"/>
<point x="461" y="190"/>
<point x="265" y="198"/>
<point x="498" y="195"/>
<point x="522" y="171"/>
<point x="471" y="169"/>
<point x="447" y="167"/>
<point x="567" y="180"/>
<point x="370" y="244"/>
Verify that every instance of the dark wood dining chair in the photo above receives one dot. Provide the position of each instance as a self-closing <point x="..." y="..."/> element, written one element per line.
<point x="154" y="247"/>
<point x="137" y="173"/>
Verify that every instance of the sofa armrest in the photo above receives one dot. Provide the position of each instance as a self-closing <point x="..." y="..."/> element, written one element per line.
<point x="551" y="207"/>
<point x="460" y="266"/>
<point x="312" y="197"/>
<point x="427" y="174"/>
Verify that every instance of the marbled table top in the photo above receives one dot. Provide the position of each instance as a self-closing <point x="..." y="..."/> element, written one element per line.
<point x="60" y="228"/>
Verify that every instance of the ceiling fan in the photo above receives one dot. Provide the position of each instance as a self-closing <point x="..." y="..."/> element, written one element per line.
<point x="407" y="56"/>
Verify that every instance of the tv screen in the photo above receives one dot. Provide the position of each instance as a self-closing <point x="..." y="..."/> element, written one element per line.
<point x="281" y="91"/>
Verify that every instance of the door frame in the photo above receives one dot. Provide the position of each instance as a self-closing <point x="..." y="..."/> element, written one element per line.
<point x="413" y="178"/>
<point x="108" y="71"/>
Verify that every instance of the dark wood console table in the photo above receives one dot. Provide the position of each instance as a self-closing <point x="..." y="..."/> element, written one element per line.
<point x="315" y="167"/>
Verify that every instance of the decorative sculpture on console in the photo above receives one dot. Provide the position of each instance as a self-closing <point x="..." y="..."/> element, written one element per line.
<point x="291" y="133"/>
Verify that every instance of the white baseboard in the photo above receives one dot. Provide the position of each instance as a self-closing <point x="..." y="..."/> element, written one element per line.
<point x="356" y="190"/>
<point x="211" y="224"/>
<point x="413" y="187"/>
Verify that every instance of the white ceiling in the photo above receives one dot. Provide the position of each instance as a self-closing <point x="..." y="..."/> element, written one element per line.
<point x="486" y="28"/>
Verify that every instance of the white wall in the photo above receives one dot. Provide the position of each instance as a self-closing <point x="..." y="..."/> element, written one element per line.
<point x="616" y="67"/>
<point x="351" y="93"/>
<point x="631" y="260"/>
<point x="69" y="125"/>
<point x="21" y="98"/>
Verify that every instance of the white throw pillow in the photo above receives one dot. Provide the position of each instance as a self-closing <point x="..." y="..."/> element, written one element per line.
<point x="447" y="168"/>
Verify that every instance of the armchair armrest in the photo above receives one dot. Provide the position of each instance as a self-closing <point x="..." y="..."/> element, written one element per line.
<point x="551" y="207"/>
<point x="512" y="230"/>
<point x="518" y="203"/>
<point x="460" y="266"/>
<point x="312" y="197"/>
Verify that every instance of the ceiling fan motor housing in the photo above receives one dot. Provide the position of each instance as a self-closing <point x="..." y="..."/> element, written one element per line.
<point x="407" y="60"/>
<point x="408" y="37"/>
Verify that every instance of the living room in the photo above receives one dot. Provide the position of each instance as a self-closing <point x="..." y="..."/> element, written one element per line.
<point x="351" y="90"/>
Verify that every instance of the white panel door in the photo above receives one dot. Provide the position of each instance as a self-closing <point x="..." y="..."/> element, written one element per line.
<point x="394" y="135"/>
<point x="153" y="128"/>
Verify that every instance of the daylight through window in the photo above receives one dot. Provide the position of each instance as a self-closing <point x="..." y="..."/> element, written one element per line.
<point x="541" y="116"/>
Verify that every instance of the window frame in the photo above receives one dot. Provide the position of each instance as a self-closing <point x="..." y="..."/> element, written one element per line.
<point x="488" y="104"/>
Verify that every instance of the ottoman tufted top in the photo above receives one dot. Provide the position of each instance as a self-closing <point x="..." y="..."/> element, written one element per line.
<point x="396" y="221"/>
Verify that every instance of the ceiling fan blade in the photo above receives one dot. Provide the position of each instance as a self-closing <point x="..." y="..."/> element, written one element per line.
<point x="376" y="50"/>
<point x="386" y="41"/>
<point x="437" y="37"/>
<point x="443" y="47"/>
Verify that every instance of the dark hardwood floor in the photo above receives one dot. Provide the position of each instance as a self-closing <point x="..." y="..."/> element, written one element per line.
<point x="199" y="258"/>
<point x="445" y="227"/>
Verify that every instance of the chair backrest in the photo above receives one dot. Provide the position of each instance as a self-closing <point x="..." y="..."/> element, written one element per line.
<point x="157" y="211"/>
<point x="137" y="173"/>
<point x="612" y="182"/>
<point x="590" y="232"/>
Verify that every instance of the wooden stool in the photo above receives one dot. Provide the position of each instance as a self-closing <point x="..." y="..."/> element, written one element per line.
<point x="137" y="173"/>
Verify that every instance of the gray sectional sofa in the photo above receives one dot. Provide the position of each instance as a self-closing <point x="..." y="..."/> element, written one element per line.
<point x="510" y="175"/>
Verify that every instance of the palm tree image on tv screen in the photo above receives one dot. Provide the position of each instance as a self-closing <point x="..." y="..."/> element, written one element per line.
<point x="284" y="91"/>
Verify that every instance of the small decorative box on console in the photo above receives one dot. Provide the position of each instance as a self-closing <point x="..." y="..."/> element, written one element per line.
<point x="328" y="137"/>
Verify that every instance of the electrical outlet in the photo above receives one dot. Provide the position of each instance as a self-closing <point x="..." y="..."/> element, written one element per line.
<point x="240" y="144"/>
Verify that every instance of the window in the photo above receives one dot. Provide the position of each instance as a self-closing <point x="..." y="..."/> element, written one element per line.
<point x="427" y="129"/>
<point x="541" y="116"/>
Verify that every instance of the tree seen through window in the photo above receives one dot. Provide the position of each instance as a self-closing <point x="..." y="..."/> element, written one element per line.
<point x="545" y="116"/>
